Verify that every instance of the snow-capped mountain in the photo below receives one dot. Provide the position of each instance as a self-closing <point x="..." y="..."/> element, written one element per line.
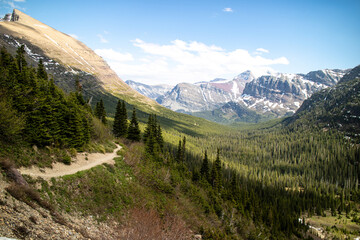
<point x="187" y="97"/>
<point x="205" y="96"/>
<point x="151" y="91"/>
<point x="275" y="94"/>
<point x="235" y="86"/>
<point x="336" y="107"/>
<point x="283" y="94"/>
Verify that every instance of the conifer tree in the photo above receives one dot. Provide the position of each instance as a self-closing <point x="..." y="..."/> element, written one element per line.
<point x="20" y="58"/>
<point x="49" y="118"/>
<point x="134" y="130"/>
<point x="204" y="171"/>
<point x="159" y="138"/>
<point x="78" y="92"/>
<point x="183" y="149"/>
<point x="216" y="173"/>
<point x="153" y="136"/>
<point x="149" y="128"/>
<point x="123" y="128"/>
<point x="41" y="72"/>
<point x="117" y="117"/>
<point x="120" y="120"/>
<point x="178" y="152"/>
<point x="100" y="112"/>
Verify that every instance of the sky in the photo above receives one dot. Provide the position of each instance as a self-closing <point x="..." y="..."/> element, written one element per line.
<point x="167" y="41"/>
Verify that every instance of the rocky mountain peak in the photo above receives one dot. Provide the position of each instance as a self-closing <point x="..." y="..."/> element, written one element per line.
<point x="14" y="16"/>
<point x="11" y="17"/>
<point x="245" y="76"/>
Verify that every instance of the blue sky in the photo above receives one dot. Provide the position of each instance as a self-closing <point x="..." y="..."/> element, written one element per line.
<point x="187" y="41"/>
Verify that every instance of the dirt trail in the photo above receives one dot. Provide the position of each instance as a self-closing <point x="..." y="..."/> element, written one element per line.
<point x="79" y="164"/>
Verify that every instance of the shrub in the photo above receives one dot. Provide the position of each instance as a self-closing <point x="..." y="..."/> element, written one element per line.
<point x="147" y="224"/>
<point x="67" y="160"/>
<point x="72" y="152"/>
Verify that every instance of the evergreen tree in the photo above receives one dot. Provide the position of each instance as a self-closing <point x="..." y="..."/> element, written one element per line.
<point x="120" y="120"/>
<point x="117" y="117"/>
<point x="41" y="72"/>
<point x="20" y="59"/>
<point x="183" y="150"/>
<point x="216" y="172"/>
<point x="159" y="138"/>
<point x="100" y="112"/>
<point x="134" y="130"/>
<point x="123" y="127"/>
<point x="178" y="152"/>
<point x="149" y="128"/>
<point x="204" y="171"/>
<point x="48" y="117"/>
<point x="153" y="136"/>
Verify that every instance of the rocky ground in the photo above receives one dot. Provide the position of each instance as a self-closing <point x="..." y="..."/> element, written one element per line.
<point x="21" y="221"/>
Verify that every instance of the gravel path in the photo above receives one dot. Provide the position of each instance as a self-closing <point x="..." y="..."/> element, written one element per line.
<point x="79" y="163"/>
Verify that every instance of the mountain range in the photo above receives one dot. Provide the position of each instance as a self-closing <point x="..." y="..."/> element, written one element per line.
<point x="221" y="100"/>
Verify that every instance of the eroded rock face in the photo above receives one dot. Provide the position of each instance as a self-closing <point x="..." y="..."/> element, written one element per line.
<point x="14" y="17"/>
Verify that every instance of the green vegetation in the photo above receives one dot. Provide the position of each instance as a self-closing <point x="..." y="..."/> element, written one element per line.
<point x="34" y="112"/>
<point x="225" y="182"/>
<point x="100" y="112"/>
<point x="133" y="133"/>
<point x="48" y="117"/>
<point x="120" y="120"/>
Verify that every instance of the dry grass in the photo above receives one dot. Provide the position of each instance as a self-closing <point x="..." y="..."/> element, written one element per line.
<point x="146" y="224"/>
<point x="134" y="154"/>
<point x="27" y="194"/>
<point x="12" y="173"/>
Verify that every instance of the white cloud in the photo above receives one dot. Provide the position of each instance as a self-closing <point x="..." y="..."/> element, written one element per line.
<point x="182" y="61"/>
<point x="13" y="5"/>
<point x="74" y="36"/>
<point x="112" y="55"/>
<point x="262" y="50"/>
<point x="227" y="10"/>
<point x="102" y="39"/>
